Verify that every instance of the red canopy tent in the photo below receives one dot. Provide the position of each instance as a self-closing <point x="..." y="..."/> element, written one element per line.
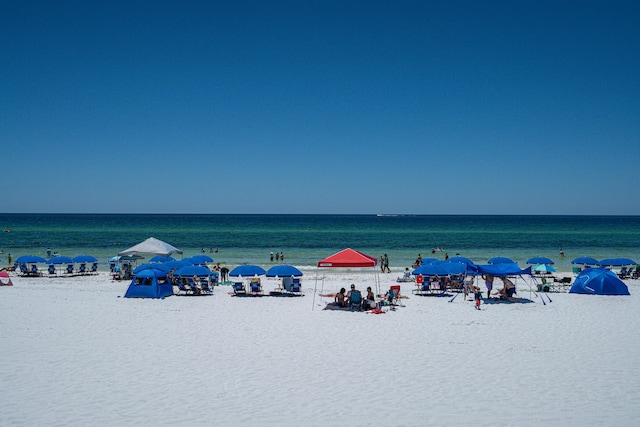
<point x="347" y="258"/>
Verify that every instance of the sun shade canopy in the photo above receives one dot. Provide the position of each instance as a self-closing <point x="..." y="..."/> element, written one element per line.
<point x="348" y="258"/>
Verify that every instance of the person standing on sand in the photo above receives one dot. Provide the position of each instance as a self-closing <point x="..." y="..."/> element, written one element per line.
<point x="386" y="264"/>
<point x="488" y="281"/>
<point x="381" y="263"/>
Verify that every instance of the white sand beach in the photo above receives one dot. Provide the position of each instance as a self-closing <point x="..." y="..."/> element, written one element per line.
<point x="77" y="353"/>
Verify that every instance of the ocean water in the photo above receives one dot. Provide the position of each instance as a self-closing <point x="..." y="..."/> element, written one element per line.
<point x="305" y="239"/>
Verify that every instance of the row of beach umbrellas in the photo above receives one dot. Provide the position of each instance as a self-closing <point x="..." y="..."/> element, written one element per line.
<point x="34" y="259"/>
<point x="195" y="266"/>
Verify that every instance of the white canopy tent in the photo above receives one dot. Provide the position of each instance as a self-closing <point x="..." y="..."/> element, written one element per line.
<point x="151" y="246"/>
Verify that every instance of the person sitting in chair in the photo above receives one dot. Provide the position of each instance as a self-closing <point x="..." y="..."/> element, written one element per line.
<point x="370" y="299"/>
<point x="354" y="297"/>
<point x="340" y="298"/>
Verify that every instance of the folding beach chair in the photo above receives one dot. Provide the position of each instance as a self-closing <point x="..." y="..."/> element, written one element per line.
<point x="70" y="269"/>
<point x="183" y="286"/>
<point x="296" y="287"/>
<point x="205" y="285"/>
<point x="355" y="300"/>
<point x="52" y="270"/>
<point x="394" y="295"/>
<point x="238" y="288"/>
<point x="255" y="285"/>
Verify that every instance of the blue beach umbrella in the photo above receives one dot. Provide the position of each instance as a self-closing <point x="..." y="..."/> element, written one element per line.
<point x="430" y="261"/>
<point x="29" y="259"/>
<point x="193" y="270"/>
<point x="616" y="262"/>
<point x="205" y="258"/>
<point x="60" y="260"/>
<point x="84" y="259"/>
<point x="540" y="260"/>
<point x="283" y="271"/>
<point x="585" y="260"/>
<point x="152" y="266"/>
<point x="544" y="268"/>
<point x="161" y="258"/>
<point x="501" y="260"/>
<point x="199" y="259"/>
<point x="174" y="265"/>
<point x="247" y="270"/>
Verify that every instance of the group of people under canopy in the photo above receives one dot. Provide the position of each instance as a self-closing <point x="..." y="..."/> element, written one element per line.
<point x="436" y="277"/>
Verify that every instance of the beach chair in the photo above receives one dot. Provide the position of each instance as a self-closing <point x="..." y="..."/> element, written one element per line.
<point x="23" y="269"/>
<point x="34" y="270"/>
<point x="183" y="286"/>
<point x="94" y="268"/>
<point x="355" y="300"/>
<point x="205" y="285"/>
<point x="82" y="269"/>
<point x="255" y="285"/>
<point x="69" y="268"/>
<point x="394" y="295"/>
<point x="238" y="288"/>
<point x="296" y="286"/>
<point x="52" y="270"/>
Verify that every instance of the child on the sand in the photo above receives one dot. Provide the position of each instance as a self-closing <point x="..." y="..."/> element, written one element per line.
<point x="478" y="297"/>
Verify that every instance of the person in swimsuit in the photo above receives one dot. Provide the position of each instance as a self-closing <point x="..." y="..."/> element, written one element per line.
<point x="488" y="281"/>
<point x="509" y="288"/>
<point x="340" y="298"/>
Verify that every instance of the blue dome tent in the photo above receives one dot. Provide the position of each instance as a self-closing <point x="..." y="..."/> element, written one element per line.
<point x="598" y="281"/>
<point x="149" y="283"/>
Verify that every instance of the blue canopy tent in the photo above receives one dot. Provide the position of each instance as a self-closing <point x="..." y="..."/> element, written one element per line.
<point x="501" y="260"/>
<point x="441" y="268"/>
<point x="598" y="281"/>
<point x="462" y="260"/>
<point x="502" y="270"/>
<point x="151" y="266"/>
<point x="149" y="283"/>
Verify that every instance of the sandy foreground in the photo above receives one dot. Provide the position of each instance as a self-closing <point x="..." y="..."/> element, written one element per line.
<point x="76" y="353"/>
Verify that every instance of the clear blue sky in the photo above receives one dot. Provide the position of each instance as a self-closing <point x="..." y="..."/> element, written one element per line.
<point x="448" y="107"/>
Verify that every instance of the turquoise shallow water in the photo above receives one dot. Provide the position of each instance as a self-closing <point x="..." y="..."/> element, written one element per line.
<point x="305" y="239"/>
